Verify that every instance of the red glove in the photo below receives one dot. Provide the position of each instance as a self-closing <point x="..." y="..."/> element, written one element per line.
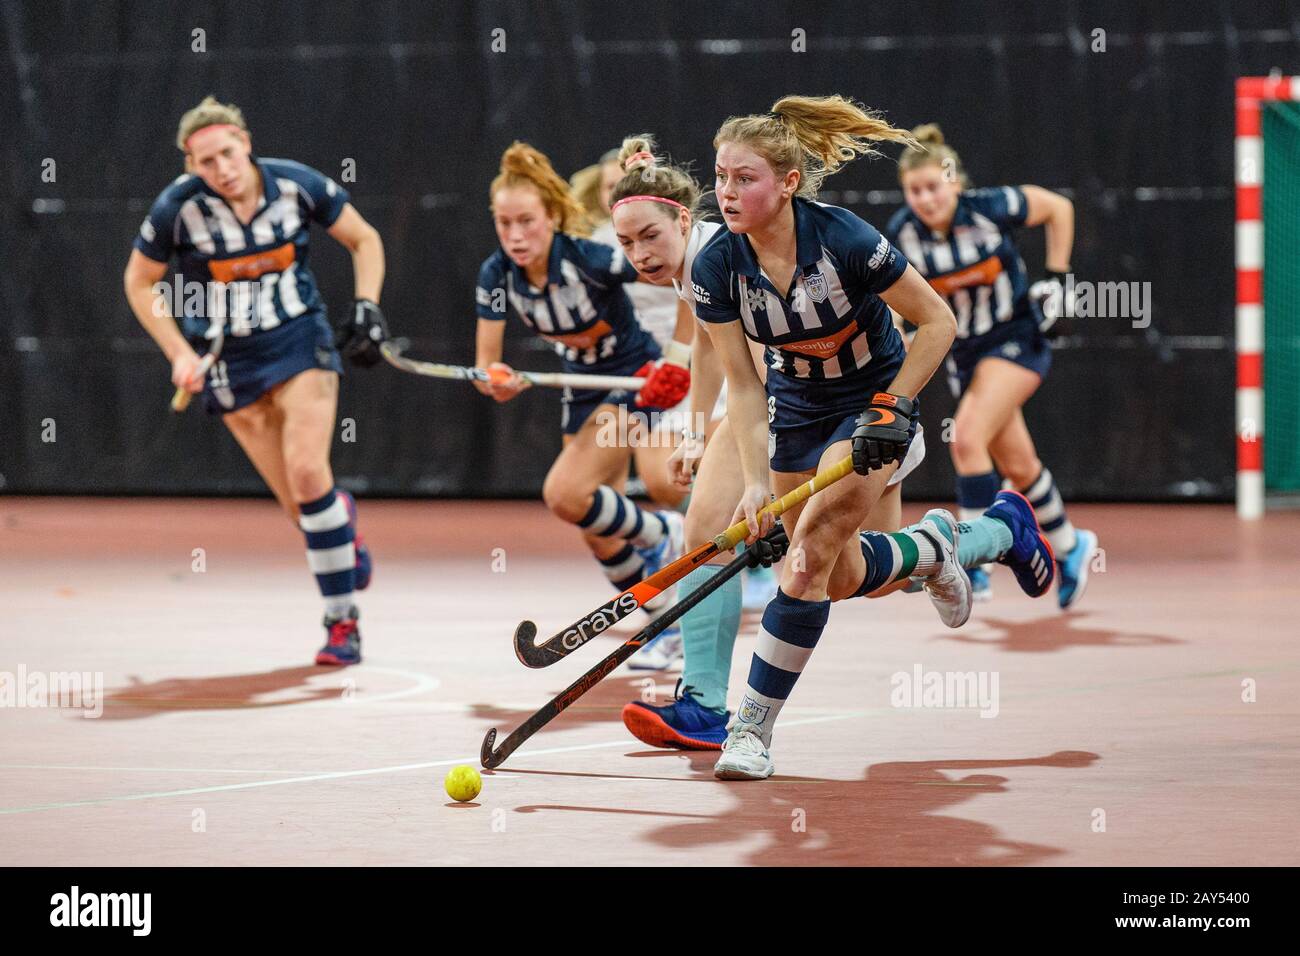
<point x="668" y="380"/>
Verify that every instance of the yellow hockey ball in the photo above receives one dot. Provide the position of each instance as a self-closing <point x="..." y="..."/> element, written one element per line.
<point x="463" y="783"/>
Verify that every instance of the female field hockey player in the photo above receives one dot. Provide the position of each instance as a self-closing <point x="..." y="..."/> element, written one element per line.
<point x="962" y="240"/>
<point x="655" y="215"/>
<point x="657" y="309"/>
<point x="239" y="225"/>
<point x="570" y="291"/>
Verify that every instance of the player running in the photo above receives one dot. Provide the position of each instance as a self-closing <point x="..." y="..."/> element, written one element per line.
<point x="239" y="225"/>
<point x="963" y="241"/>
<point x="570" y="291"/>
<point x="656" y="222"/>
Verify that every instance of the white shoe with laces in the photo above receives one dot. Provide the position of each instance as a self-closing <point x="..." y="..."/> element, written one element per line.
<point x="949" y="587"/>
<point x="660" y="654"/>
<point x="744" y="755"/>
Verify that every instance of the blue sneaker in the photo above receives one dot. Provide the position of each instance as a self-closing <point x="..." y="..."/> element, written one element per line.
<point x="1030" y="556"/>
<point x="1074" y="568"/>
<point x="981" y="589"/>
<point x="364" y="564"/>
<point x="342" y="641"/>
<point x="684" y="724"/>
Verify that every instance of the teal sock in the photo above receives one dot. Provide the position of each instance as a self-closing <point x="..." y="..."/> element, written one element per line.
<point x="982" y="541"/>
<point x="709" y="636"/>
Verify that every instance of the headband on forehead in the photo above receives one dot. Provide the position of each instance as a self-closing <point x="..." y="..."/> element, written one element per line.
<point x="627" y="199"/>
<point x="211" y="126"/>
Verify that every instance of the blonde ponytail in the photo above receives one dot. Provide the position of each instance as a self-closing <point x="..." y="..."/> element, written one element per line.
<point x="813" y="134"/>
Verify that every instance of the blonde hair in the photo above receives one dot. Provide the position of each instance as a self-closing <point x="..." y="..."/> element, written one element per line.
<point x="813" y="134"/>
<point x="931" y="148"/>
<point x="585" y="187"/>
<point x="208" y="113"/>
<point x="523" y="165"/>
<point x="648" y="175"/>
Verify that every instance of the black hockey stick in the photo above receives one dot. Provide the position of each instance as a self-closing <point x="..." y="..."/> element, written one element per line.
<point x="768" y="549"/>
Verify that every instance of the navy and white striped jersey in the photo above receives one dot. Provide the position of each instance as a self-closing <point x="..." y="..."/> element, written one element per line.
<point x="832" y="325"/>
<point x="976" y="266"/>
<point x="584" y="309"/>
<point x="254" y="277"/>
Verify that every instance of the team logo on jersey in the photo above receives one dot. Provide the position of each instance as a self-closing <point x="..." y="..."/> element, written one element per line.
<point x="1011" y="350"/>
<point x="815" y="286"/>
<point x="878" y="256"/>
<point x="756" y="299"/>
<point x="751" y="711"/>
<point x="701" y="293"/>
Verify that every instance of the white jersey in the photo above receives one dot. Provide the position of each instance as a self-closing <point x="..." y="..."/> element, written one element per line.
<point x="701" y="233"/>
<point x="655" y="306"/>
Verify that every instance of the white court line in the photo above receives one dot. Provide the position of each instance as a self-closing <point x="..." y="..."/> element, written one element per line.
<point x="83" y="769"/>
<point x="341" y="774"/>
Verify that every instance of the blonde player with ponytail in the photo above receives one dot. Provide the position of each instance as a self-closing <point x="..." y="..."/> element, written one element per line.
<point x="569" y="290"/>
<point x="814" y="284"/>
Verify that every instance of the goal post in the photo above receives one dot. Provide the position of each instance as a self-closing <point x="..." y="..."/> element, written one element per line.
<point x="1267" y="173"/>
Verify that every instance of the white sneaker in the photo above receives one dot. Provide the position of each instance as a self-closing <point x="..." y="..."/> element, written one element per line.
<point x="660" y="654"/>
<point x="949" y="587"/>
<point x="744" y="755"/>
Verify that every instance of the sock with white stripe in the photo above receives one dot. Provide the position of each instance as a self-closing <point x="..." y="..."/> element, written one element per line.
<point x="975" y="493"/>
<point x="895" y="555"/>
<point x="791" y="628"/>
<point x="331" y="551"/>
<point x="618" y="516"/>
<point x="709" y="636"/>
<point x="1050" y="510"/>
<point x="625" y="568"/>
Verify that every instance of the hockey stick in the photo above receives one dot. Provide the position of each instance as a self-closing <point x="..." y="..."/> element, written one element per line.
<point x="490" y="757"/>
<point x="182" y="396"/>
<point x="393" y="355"/>
<point x="573" y="637"/>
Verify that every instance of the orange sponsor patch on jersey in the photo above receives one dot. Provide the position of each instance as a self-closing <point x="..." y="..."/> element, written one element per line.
<point x="822" y="348"/>
<point x="982" y="273"/>
<point x="582" y="340"/>
<point x="243" y="268"/>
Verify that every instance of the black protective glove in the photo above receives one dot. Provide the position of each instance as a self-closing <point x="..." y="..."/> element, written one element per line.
<point x="884" y="431"/>
<point x="361" y="332"/>
<point x="770" y="548"/>
<point x="1049" y="293"/>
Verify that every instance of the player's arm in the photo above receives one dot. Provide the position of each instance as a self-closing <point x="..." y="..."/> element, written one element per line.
<point x="151" y="310"/>
<point x="363" y="330"/>
<point x="361" y="239"/>
<point x="1055" y="214"/>
<point x="912" y="298"/>
<point x="489" y="345"/>
<point x="706" y="383"/>
<point x="886" y="428"/>
<point x="668" y="379"/>
<point x="747" y="412"/>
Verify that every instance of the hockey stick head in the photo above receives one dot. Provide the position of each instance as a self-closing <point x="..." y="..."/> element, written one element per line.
<point x="486" y="757"/>
<point x="529" y="654"/>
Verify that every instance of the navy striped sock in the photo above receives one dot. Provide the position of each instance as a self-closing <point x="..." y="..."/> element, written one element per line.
<point x="623" y="569"/>
<point x="618" y="516"/>
<point x="975" y="493"/>
<point x="1050" y="509"/>
<point x="790" y="630"/>
<point x="331" y="552"/>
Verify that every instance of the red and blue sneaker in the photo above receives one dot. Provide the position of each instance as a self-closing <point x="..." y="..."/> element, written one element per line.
<point x="364" y="564"/>
<point x="685" y="724"/>
<point x="1030" y="555"/>
<point x="342" y="640"/>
